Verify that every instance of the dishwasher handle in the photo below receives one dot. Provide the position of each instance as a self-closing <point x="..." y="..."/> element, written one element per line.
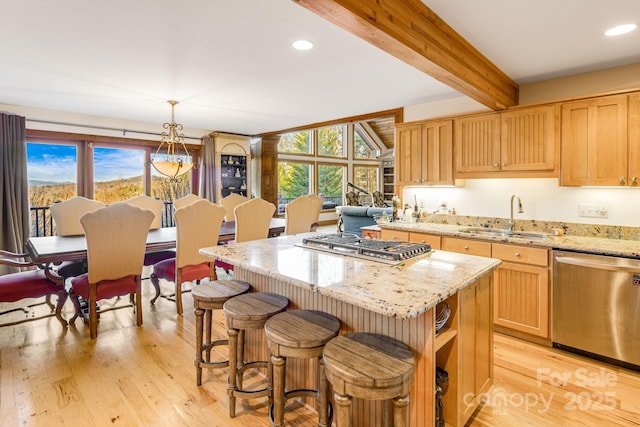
<point x="601" y="263"/>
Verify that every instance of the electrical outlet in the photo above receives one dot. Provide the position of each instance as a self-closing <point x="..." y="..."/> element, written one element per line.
<point x="593" y="210"/>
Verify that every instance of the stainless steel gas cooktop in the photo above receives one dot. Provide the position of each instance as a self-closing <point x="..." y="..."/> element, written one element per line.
<point x="389" y="252"/>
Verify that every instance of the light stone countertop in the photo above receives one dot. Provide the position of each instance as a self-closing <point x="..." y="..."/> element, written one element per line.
<point x="403" y="291"/>
<point x="596" y="245"/>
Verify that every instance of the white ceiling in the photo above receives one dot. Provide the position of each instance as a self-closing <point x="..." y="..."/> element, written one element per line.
<point x="231" y="65"/>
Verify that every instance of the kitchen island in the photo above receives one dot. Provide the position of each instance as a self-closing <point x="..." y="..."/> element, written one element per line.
<point x="398" y="301"/>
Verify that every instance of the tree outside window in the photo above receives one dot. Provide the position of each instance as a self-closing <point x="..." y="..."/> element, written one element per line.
<point x="293" y="181"/>
<point x="331" y="141"/>
<point x="331" y="182"/>
<point x="298" y="142"/>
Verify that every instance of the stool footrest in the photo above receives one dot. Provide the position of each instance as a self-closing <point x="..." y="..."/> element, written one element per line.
<point x="214" y="343"/>
<point x="300" y="393"/>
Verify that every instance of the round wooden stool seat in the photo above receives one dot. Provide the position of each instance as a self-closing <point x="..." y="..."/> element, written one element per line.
<point x="299" y="334"/>
<point x="209" y="296"/>
<point x="246" y="312"/>
<point x="369" y="366"/>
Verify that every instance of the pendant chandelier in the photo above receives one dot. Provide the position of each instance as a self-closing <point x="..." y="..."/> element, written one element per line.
<point x="177" y="160"/>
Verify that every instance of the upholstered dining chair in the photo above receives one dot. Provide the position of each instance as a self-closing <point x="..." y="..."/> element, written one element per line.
<point x="198" y="226"/>
<point x="66" y="216"/>
<point x="157" y="207"/>
<point x="28" y="284"/>
<point x="230" y="202"/>
<point x="300" y="215"/>
<point x="252" y="219"/>
<point x="184" y="201"/>
<point x="116" y="240"/>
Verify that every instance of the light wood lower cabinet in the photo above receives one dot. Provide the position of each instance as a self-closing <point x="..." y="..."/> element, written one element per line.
<point x="394" y="235"/>
<point x="520" y="285"/>
<point x="521" y="289"/>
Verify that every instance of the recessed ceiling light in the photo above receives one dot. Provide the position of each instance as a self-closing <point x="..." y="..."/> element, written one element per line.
<point x="302" y="45"/>
<point x="620" y="29"/>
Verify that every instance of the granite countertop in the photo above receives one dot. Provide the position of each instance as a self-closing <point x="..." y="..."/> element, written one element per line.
<point x="402" y="291"/>
<point x="596" y="245"/>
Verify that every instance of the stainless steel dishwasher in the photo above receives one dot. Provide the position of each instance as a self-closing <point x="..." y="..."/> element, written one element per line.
<point x="596" y="306"/>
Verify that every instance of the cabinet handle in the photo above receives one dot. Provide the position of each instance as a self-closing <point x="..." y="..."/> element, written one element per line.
<point x="495" y="165"/>
<point x="622" y="179"/>
<point x="517" y="254"/>
<point x="504" y="164"/>
<point x="634" y="180"/>
<point x="466" y="248"/>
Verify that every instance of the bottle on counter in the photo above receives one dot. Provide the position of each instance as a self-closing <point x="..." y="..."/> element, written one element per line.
<point x="395" y="202"/>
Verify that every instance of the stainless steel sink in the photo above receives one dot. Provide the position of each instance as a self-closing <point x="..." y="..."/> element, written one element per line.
<point x="498" y="232"/>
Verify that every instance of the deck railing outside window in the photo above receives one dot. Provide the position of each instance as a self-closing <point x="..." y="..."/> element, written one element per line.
<point x="42" y="225"/>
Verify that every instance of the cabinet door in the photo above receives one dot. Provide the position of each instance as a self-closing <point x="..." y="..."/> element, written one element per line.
<point x="594" y="141"/>
<point x="634" y="139"/>
<point x="408" y="155"/>
<point x="521" y="298"/>
<point x="437" y="152"/>
<point x="477" y="143"/>
<point x="528" y="139"/>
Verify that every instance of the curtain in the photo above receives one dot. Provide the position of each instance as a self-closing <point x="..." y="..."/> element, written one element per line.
<point x="207" y="168"/>
<point x="14" y="186"/>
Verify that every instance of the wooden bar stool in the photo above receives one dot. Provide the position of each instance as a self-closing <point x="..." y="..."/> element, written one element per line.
<point x="209" y="296"/>
<point x="299" y="334"/>
<point x="373" y="367"/>
<point x="246" y="312"/>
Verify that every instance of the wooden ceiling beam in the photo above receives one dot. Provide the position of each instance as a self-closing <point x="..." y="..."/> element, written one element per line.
<point x="413" y="33"/>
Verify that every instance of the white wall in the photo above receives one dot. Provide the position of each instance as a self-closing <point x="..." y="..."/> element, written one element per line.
<point x="542" y="199"/>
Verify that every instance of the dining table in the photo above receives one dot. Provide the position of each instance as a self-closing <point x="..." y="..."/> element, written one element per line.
<point x="49" y="251"/>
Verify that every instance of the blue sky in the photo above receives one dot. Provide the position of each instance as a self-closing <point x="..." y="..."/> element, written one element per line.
<point x="57" y="163"/>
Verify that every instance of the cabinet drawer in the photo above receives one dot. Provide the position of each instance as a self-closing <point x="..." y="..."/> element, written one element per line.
<point x="394" y="235"/>
<point x="522" y="254"/>
<point x="430" y="239"/>
<point x="466" y="246"/>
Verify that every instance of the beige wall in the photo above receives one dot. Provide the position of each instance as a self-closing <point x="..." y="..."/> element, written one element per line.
<point x="612" y="79"/>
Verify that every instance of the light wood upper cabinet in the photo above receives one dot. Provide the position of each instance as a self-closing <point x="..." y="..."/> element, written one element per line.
<point x="594" y="142"/>
<point x="633" y="132"/>
<point x="528" y="139"/>
<point x="514" y="142"/>
<point x="408" y="154"/>
<point x="424" y="153"/>
<point x="437" y="152"/>
<point x="477" y="143"/>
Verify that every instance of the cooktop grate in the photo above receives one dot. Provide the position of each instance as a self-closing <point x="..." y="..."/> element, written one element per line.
<point x="349" y="244"/>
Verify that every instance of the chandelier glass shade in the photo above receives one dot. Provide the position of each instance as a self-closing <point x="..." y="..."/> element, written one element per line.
<point x="176" y="161"/>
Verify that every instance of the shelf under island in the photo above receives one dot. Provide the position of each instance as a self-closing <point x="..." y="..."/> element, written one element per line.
<point x="398" y="301"/>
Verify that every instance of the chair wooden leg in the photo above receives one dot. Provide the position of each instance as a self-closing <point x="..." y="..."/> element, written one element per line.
<point x="178" y="280"/>
<point x="138" y="297"/>
<point x="233" y="370"/>
<point x="401" y="411"/>
<point x="75" y="299"/>
<point x="93" y="313"/>
<point x="343" y="410"/>
<point x="323" y="396"/>
<point x="155" y="281"/>
<point x="199" y="320"/>
<point x="62" y="298"/>
<point x="279" y="366"/>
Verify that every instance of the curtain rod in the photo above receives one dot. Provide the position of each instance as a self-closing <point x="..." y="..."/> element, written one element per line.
<point x="124" y="131"/>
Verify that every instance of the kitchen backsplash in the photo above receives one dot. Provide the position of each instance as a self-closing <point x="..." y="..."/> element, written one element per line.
<point x="574" y="229"/>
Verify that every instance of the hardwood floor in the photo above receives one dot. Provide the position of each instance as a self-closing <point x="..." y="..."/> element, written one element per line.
<point x="145" y="376"/>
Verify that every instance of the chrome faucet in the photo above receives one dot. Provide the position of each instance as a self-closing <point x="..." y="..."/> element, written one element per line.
<point x="520" y="210"/>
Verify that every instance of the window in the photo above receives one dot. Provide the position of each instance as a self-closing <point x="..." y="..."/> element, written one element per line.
<point x="294" y="180"/>
<point x="298" y="142"/>
<point x="118" y="174"/>
<point x="52" y="171"/>
<point x="344" y="153"/>
<point x="362" y="147"/>
<point x="331" y="182"/>
<point x="331" y="141"/>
